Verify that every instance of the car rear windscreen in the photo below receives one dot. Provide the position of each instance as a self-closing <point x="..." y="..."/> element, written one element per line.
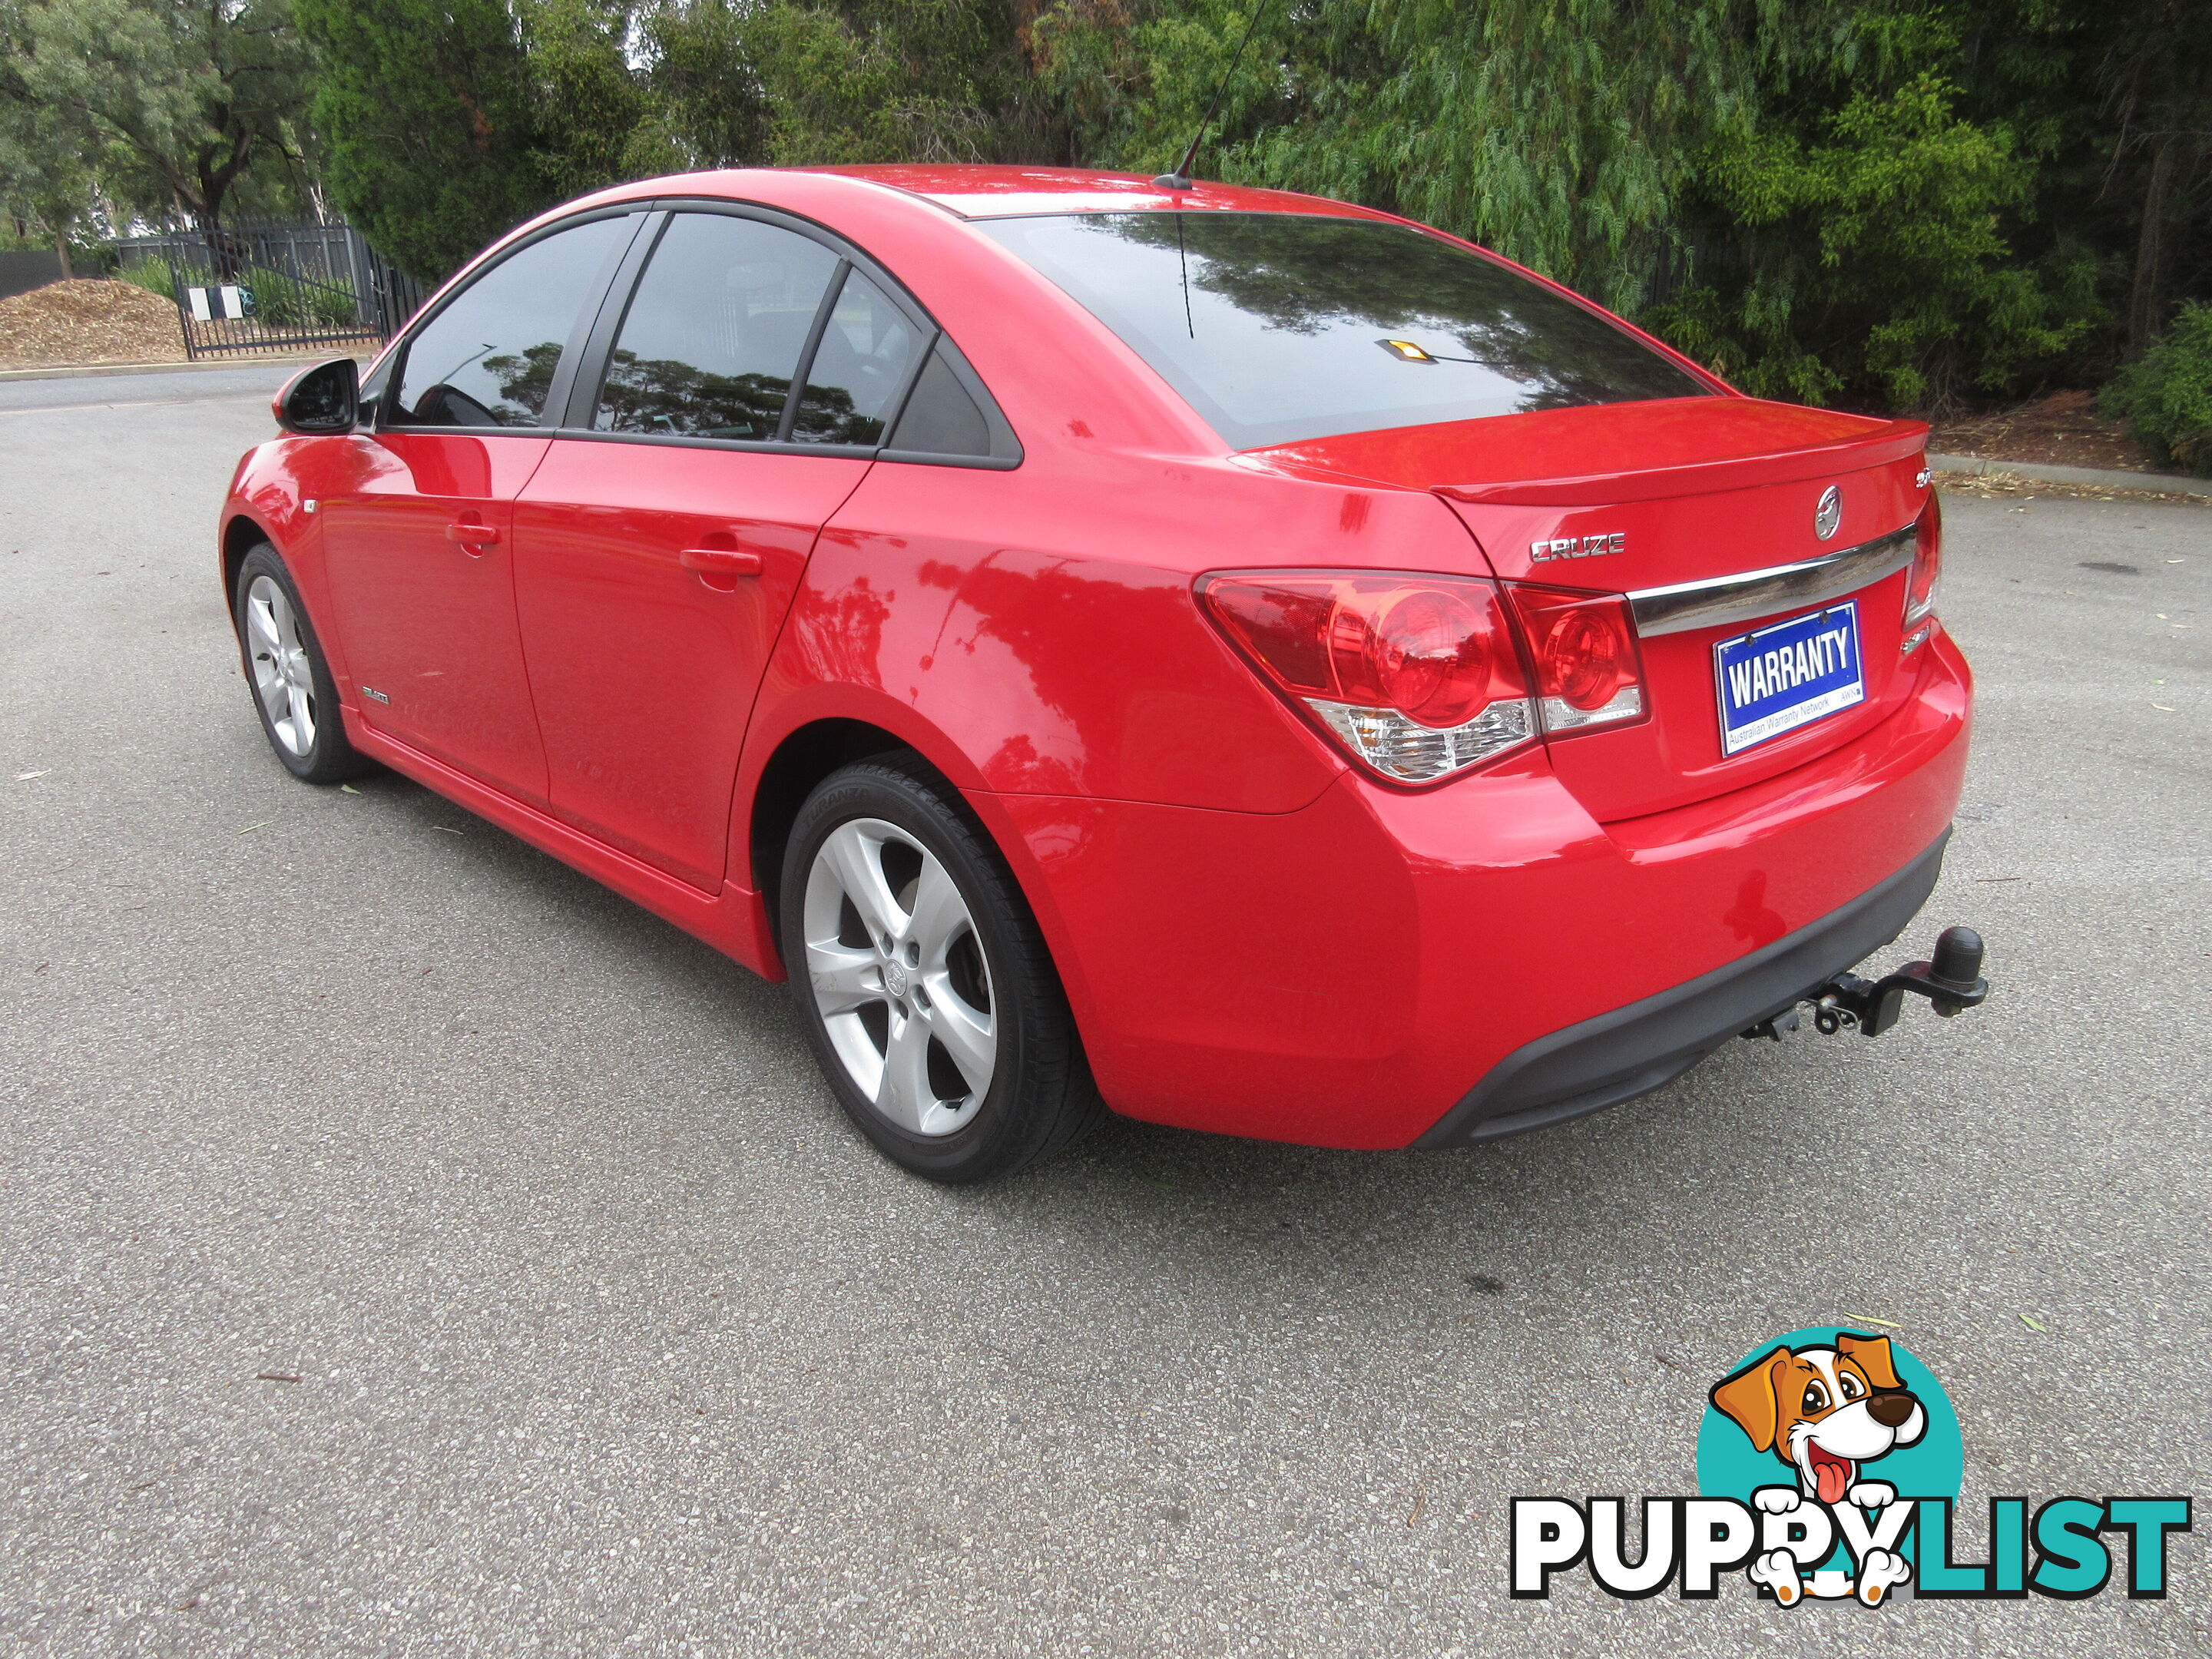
<point x="1279" y="327"/>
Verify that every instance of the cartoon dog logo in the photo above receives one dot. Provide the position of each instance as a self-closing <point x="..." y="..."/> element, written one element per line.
<point x="1826" y="1413"/>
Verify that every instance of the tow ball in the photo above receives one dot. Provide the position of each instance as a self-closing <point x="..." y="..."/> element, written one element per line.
<point x="1951" y="983"/>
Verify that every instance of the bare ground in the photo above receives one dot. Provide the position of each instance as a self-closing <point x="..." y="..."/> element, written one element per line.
<point x="2063" y="429"/>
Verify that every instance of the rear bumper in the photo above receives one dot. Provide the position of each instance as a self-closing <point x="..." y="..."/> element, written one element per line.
<point x="1633" y="1050"/>
<point x="1385" y="967"/>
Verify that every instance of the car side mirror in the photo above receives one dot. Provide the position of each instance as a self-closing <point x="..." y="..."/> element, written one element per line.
<point x="323" y="399"/>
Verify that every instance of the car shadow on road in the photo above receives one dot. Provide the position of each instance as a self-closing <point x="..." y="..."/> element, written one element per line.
<point x="1702" y="1170"/>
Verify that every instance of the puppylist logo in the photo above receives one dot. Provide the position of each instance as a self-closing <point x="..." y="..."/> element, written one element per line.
<point x="1828" y="1465"/>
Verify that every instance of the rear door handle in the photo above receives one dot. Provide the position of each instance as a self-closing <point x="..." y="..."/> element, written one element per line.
<point x="471" y="535"/>
<point x="725" y="562"/>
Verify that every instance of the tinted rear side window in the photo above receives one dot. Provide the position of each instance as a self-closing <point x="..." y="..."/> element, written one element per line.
<point x="940" y="418"/>
<point x="1272" y="326"/>
<point x="488" y="358"/>
<point x="859" y="367"/>
<point x="714" y="336"/>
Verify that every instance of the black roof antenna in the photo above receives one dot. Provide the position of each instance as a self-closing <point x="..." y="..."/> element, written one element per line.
<point x="1180" y="179"/>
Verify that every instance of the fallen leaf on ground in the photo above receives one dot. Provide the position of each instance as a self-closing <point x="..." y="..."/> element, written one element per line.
<point x="2033" y="1325"/>
<point x="274" y="1377"/>
<point x="449" y="831"/>
<point x="348" y="789"/>
<point x="251" y="828"/>
<point x="2164" y="709"/>
<point x="24" y="777"/>
<point x="1869" y="1319"/>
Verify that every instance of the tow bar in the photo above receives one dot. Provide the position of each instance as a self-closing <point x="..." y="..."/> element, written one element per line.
<point x="1951" y="983"/>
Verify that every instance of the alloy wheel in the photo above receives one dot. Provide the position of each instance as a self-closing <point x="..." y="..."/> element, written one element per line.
<point x="283" y="677"/>
<point x="899" y="976"/>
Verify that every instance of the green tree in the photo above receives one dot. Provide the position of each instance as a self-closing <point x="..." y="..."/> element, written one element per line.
<point x="902" y="81"/>
<point x="2155" y="76"/>
<point x="172" y="103"/>
<point x="431" y="116"/>
<point x="597" y="118"/>
<point x="1560" y="132"/>
<point x="446" y="123"/>
<point x="45" y="183"/>
<point x="1781" y="189"/>
<point x="1870" y="256"/>
<point x="710" y="107"/>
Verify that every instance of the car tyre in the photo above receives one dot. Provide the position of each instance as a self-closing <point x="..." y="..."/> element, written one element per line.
<point x="923" y="981"/>
<point x="288" y="675"/>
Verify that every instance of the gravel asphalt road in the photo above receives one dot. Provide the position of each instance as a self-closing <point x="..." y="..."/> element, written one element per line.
<point x="407" y="1247"/>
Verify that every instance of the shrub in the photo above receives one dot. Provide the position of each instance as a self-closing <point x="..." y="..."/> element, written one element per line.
<point x="2166" y="397"/>
<point x="280" y="301"/>
<point x="152" y="275"/>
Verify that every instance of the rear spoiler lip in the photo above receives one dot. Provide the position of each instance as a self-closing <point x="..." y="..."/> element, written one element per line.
<point x="1897" y="441"/>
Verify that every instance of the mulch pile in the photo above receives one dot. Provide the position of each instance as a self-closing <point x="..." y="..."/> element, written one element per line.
<point x="65" y="324"/>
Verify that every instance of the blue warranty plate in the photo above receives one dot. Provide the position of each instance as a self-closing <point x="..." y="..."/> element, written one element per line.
<point x="1787" y="676"/>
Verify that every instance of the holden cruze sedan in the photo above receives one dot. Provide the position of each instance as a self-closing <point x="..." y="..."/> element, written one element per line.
<point x="1239" y="658"/>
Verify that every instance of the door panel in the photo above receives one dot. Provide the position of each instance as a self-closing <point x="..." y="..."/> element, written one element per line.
<point x="429" y="620"/>
<point x="419" y="543"/>
<point x="652" y="577"/>
<point x="643" y="663"/>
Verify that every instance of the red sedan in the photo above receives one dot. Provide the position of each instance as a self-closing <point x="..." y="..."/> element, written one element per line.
<point x="1241" y="659"/>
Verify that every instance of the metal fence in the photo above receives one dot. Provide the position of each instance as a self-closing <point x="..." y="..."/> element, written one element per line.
<point x="259" y="286"/>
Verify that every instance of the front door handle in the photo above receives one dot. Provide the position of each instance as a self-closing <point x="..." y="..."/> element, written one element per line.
<point x="471" y="536"/>
<point x="719" y="566"/>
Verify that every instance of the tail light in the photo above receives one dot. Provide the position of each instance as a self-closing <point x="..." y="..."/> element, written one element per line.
<point x="1419" y="677"/>
<point x="1927" y="568"/>
<point x="1583" y="647"/>
<point x="1415" y="675"/>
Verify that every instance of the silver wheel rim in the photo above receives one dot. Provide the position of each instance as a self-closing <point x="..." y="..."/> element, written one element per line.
<point x="900" y="978"/>
<point x="281" y="677"/>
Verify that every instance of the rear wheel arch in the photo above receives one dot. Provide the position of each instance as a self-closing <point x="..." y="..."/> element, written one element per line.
<point x="801" y="760"/>
<point x="803" y="757"/>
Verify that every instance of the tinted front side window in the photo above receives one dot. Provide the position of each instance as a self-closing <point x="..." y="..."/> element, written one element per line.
<point x="488" y="359"/>
<point x="713" y="338"/>
<point x="859" y="367"/>
<point x="1272" y="325"/>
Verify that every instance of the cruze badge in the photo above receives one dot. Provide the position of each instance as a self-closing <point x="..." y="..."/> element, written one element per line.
<point x="1829" y="513"/>
<point x="1578" y="547"/>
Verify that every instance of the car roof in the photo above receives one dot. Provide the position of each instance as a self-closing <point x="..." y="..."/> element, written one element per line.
<point x="999" y="192"/>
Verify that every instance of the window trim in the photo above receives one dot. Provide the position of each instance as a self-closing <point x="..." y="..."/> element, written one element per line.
<point x="832" y="297"/>
<point x="583" y="393"/>
<point x="394" y="376"/>
<point x="1005" y="447"/>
